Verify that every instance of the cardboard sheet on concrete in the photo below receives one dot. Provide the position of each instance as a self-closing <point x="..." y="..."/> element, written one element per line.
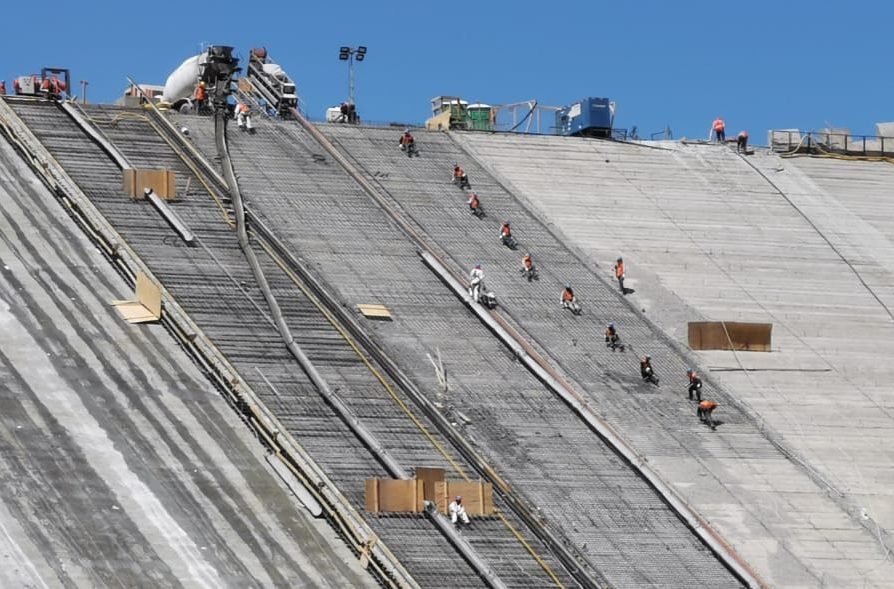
<point x="478" y="498"/>
<point x="722" y="335"/>
<point x="395" y="496"/>
<point x="374" y="311"/>
<point x="162" y="182"/>
<point x="146" y="307"/>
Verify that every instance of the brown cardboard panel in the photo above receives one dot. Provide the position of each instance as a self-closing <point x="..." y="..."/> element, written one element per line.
<point x="429" y="476"/>
<point x="146" y="307"/>
<point x="162" y="182"/>
<point x="134" y="312"/>
<point x="720" y="335"/>
<point x="149" y="295"/>
<point x="396" y="496"/>
<point x="478" y="497"/>
<point x="372" y="495"/>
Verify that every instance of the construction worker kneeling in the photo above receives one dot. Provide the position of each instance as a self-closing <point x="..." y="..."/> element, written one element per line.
<point x="458" y="512"/>
<point x="704" y="412"/>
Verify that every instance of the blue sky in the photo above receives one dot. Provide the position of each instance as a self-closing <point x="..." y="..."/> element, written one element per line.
<point x="759" y="64"/>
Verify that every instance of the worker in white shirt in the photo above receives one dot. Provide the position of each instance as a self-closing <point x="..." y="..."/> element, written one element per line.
<point x="457" y="511"/>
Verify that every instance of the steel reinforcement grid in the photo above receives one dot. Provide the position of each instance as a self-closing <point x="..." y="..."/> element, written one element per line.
<point x="617" y="521"/>
<point x="214" y="285"/>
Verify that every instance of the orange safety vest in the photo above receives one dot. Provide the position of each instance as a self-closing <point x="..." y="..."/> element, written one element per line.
<point x="457" y="172"/>
<point x="406" y="139"/>
<point x="200" y="92"/>
<point x="719" y="125"/>
<point x="505" y="231"/>
<point x="610" y="332"/>
<point x="45" y="85"/>
<point x="2" y="87"/>
<point x="243" y="108"/>
<point x="473" y="201"/>
<point x="619" y="270"/>
<point x="567" y="295"/>
<point x="707" y="405"/>
<point x="528" y="262"/>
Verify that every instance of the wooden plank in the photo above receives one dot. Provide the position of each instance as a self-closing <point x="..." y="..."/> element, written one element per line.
<point x="374" y="311"/>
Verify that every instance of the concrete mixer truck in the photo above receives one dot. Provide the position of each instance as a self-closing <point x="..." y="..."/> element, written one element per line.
<point x="213" y="68"/>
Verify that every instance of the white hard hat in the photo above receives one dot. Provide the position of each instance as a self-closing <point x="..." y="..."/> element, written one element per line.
<point x="459" y="497"/>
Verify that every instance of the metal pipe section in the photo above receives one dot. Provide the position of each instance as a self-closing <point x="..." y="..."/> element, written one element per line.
<point x="559" y="545"/>
<point x="235" y="390"/>
<point x="385" y="457"/>
<point x="581" y="406"/>
<point x="81" y="120"/>
<point x="448" y="529"/>
<point x="527" y="354"/>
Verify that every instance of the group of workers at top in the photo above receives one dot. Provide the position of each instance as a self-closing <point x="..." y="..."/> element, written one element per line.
<point x="718" y="128"/>
<point x="241" y="112"/>
<point x="51" y="87"/>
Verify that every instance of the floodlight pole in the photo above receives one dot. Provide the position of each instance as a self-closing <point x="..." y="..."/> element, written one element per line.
<point x="351" y="77"/>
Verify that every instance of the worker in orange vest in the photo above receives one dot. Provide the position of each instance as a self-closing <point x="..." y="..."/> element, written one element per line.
<point x="612" y="338"/>
<point x="719" y="130"/>
<point x="243" y="116"/>
<point x="2" y="87"/>
<point x="201" y="97"/>
<point x="528" y="269"/>
<point x="704" y="412"/>
<point x="506" y="235"/>
<point x="568" y="299"/>
<point x="619" y="274"/>
<point x="475" y="205"/>
<point x="742" y="142"/>
<point x="460" y="177"/>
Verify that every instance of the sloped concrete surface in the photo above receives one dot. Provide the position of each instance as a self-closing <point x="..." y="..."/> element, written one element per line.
<point x="799" y="243"/>
<point x="120" y="465"/>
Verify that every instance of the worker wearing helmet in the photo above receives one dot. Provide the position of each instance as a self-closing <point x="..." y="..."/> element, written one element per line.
<point x="695" y="385"/>
<point x="646" y="370"/>
<point x="474" y="205"/>
<point x="568" y="299"/>
<point x="243" y="116"/>
<point x="476" y="282"/>
<point x="201" y="97"/>
<point x="528" y="268"/>
<point x="705" y="412"/>
<point x="619" y="274"/>
<point x="407" y="143"/>
<point x="506" y="235"/>
<point x="460" y="177"/>
<point x="719" y="128"/>
<point x="457" y="511"/>
<point x="612" y="339"/>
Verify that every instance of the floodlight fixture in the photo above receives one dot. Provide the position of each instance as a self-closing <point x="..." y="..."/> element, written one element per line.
<point x="344" y="53"/>
<point x="361" y="53"/>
